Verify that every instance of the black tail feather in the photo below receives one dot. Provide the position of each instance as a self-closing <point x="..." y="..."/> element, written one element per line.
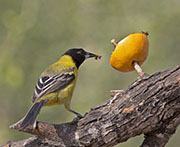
<point x="32" y="114"/>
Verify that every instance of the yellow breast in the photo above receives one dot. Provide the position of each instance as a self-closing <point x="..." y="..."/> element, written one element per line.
<point x="132" y="48"/>
<point x="63" y="65"/>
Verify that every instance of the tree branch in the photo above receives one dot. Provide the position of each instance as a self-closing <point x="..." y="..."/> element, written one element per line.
<point x="150" y="106"/>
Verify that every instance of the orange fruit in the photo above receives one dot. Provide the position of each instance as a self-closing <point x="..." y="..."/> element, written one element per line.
<point x="133" y="48"/>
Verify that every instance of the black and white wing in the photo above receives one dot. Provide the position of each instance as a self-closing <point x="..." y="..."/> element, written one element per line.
<point x="48" y="84"/>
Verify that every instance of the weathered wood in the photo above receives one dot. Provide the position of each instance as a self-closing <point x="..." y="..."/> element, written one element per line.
<point x="150" y="106"/>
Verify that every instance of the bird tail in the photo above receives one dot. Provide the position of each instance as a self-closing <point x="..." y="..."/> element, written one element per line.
<point x="30" y="117"/>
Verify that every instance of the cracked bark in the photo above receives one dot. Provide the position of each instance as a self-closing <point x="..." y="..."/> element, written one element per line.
<point x="149" y="106"/>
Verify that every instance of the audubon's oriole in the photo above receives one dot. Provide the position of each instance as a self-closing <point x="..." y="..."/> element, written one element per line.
<point x="56" y="84"/>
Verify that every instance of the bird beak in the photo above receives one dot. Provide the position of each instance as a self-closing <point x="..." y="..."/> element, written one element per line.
<point x="89" y="55"/>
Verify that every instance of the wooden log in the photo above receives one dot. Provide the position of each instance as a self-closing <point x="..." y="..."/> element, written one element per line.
<point x="149" y="106"/>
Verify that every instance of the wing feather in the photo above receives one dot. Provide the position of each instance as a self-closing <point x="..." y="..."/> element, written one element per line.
<point x="48" y="84"/>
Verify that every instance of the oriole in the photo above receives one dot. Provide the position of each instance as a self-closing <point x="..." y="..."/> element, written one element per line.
<point x="56" y="84"/>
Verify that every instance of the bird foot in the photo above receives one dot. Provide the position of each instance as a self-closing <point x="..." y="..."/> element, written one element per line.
<point x="76" y="119"/>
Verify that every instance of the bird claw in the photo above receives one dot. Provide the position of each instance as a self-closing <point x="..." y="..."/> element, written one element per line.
<point x="85" y="114"/>
<point x="76" y="119"/>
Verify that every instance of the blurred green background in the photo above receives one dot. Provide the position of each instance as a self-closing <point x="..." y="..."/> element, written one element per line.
<point x="34" y="33"/>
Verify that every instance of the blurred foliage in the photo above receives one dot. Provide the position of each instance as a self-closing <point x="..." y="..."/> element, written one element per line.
<point x="34" y="33"/>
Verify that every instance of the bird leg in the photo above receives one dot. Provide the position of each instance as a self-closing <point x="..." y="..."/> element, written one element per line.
<point x="138" y="69"/>
<point x="79" y="116"/>
<point x="76" y="113"/>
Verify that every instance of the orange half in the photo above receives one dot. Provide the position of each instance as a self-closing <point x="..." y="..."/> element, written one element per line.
<point x="133" y="48"/>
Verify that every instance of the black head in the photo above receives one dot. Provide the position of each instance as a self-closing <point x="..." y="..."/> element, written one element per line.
<point x="79" y="55"/>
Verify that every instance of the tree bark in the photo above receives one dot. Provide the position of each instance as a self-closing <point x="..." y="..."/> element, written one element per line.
<point x="149" y="106"/>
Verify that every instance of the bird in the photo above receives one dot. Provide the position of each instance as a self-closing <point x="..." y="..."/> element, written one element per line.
<point x="56" y="84"/>
<point x="130" y="53"/>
